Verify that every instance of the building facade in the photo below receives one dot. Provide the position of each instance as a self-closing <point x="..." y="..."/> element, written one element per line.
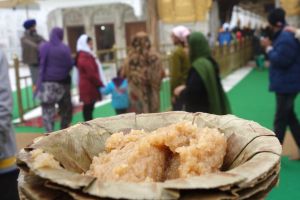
<point x="69" y="14"/>
<point x="111" y="23"/>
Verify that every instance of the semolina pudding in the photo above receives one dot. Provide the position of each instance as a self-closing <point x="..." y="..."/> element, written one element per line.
<point x="178" y="151"/>
<point x="43" y="160"/>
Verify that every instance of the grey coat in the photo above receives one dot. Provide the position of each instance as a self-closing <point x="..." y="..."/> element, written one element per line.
<point x="30" y="48"/>
<point x="7" y="135"/>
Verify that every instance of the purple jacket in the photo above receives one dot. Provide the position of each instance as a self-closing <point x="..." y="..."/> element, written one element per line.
<point x="55" y="59"/>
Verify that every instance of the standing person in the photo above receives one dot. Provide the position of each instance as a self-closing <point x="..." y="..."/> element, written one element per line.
<point x="237" y="31"/>
<point x="283" y="52"/>
<point x="89" y="76"/>
<point x="225" y="36"/>
<point x="258" y="50"/>
<point x="30" y="46"/>
<point x="179" y="63"/>
<point x="8" y="169"/>
<point x="203" y="91"/>
<point x="54" y="83"/>
<point x="239" y="36"/>
<point x="118" y="87"/>
<point x="144" y="72"/>
<point x="211" y="40"/>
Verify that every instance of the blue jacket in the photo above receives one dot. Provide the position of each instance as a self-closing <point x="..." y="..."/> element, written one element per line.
<point x="119" y="100"/>
<point x="285" y="64"/>
<point x="225" y="37"/>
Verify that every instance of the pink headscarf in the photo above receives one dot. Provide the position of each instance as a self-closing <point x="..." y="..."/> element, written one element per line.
<point x="181" y="32"/>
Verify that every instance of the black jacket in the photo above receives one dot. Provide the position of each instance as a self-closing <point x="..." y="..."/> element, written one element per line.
<point x="195" y="95"/>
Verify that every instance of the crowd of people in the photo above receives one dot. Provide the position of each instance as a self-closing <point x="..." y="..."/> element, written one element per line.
<point x="195" y="80"/>
<point x="227" y="36"/>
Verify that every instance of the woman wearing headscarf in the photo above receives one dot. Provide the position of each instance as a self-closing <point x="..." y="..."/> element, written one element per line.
<point x="91" y="76"/>
<point x="144" y="72"/>
<point x="203" y="91"/>
<point x="179" y="63"/>
<point x="54" y="82"/>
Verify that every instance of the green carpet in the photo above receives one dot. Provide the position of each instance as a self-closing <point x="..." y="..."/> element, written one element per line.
<point x="102" y="111"/>
<point x="288" y="188"/>
<point x="27" y="101"/>
<point x="251" y="100"/>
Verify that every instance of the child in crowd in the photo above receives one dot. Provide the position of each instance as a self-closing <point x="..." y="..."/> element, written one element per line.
<point x="118" y="87"/>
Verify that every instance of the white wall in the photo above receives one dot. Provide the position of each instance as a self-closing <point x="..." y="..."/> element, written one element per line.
<point x="214" y="20"/>
<point x="294" y="21"/>
<point x="277" y="3"/>
<point x="117" y="14"/>
<point x="11" y="21"/>
<point x="245" y="17"/>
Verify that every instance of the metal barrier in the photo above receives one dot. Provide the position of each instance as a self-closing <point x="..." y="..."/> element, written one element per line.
<point x="233" y="56"/>
<point x="229" y="57"/>
<point x="119" y="55"/>
<point x="25" y="100"/>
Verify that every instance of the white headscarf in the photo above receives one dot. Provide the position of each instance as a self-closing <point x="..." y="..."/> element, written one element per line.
<point x="181" y="32"/>
<point x="82" y="45"/>
<point x="226" y="26"/>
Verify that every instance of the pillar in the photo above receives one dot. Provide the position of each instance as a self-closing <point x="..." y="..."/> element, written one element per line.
<point x="152" y="22"/>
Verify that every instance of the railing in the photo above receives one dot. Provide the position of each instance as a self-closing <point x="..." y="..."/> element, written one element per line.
<point x="233" y="56"/>
<point x="118" y="55"/>
<point x="229" y="57"/>
<point x="24" y="91"/>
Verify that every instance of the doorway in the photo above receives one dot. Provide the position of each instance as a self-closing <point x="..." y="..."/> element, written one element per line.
<point x="133" y="28"/>
<point x="74" y="32"/>
<point x="105" y="40"/>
